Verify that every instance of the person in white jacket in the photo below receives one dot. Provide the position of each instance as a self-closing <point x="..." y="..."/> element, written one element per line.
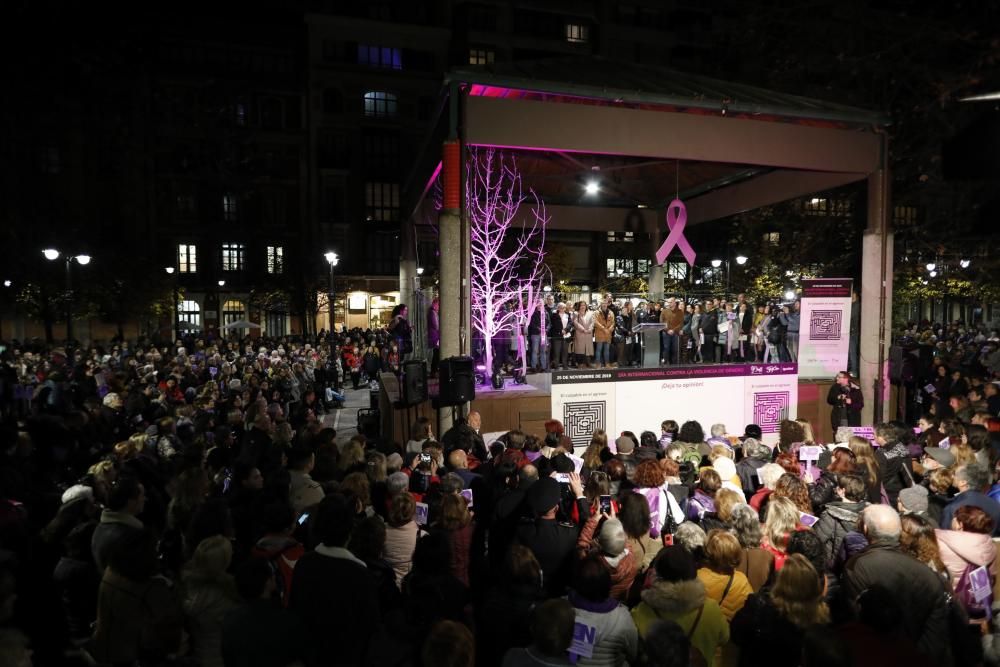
<point x="608" y="632"/>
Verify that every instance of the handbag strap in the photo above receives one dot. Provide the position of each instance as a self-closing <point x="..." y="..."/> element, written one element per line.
<point x="697" y="620"/>
<point x="729" y="585"/>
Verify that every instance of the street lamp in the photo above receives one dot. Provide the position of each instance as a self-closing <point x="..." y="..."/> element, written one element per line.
<point x="931" y="266"/>
<point x="332" y="260"/>
<point x="740" y="259"/>
<point x="52" y="254"/>
<point x="420" y="270"/>
<point x="177" y="307"/>
<point x="964" y="263"/>
<point x="222" y="283"/>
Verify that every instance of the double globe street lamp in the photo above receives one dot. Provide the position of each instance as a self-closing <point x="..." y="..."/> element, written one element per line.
<point x="52" y="255"/>
<point x="716" y="263"/>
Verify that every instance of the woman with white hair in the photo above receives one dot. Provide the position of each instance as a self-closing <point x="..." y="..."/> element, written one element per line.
<point x="769" y="474"/>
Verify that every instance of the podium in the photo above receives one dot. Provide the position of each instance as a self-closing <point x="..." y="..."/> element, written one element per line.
<point x="650" y="332"/>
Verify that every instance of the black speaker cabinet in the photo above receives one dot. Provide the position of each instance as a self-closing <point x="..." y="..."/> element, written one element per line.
<point x="414" y="382"/>
<point x="458" y="381"/>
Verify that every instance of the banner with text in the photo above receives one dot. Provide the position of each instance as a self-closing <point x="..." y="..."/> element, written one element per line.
<point x="639" y="399"/>
<point x="824" y="327"/>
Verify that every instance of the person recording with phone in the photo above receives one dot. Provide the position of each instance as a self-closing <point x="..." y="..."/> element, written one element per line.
<point x="846" y="399"/>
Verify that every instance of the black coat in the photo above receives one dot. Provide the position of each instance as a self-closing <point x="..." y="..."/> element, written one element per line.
<point x="919" y="592"/>
<point x="554" y="544"/>
<point x="759" y="629"/>
<point x="823" y="492"/>
<point x="895" y="469"/>
<point x="841" y="411"/>
<point x="337" y="603"/>
<point x="839" y="518"/>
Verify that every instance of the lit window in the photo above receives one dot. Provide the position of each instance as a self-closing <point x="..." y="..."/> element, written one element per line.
<point x="232" y="256"/>
<point x="382" y="201"/>
<point x="229" y="212"/>
<point x="380" y="104"/>
<point x="577" y="33"/>
<point x="481" y="56"/>
<point x="187" y="258"/>
<point x="232" y="311"/>
<point x="772" y="238"/>
<point x="814" y="206"/>
<point x="275" y="259"/>
<point x="625" y="237"/>
<point x="904" y="216"/>
<point x="711" y="275"/>
<point x="189" y="317"/>
<point x="677" y="270"/>
<point x="380" y="56"/>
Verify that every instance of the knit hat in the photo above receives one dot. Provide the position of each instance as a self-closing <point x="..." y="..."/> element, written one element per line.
<point x="941" y="455"/>
<point x="612" y="537"/>
<point x="914" y="498"/>
<point x="752" y="431"/>
<point x="624" y="444"/>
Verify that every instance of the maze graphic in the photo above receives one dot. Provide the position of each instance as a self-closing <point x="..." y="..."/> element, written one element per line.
<point x="580" y="420"/>
<point x="825" y="324"/>
<point x="769" y="408"/>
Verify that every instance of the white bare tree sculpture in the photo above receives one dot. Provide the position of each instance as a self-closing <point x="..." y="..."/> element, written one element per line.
<point x="507" y="246"/>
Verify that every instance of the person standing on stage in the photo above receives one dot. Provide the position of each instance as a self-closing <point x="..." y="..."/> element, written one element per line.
<point x="434" y="334"/>
<point x="538" y="340"/>
<point x="583" y="335"/>
<point x="709" y="331"/>
<point x="696" y="335"/>
<point x="846" y="399"/>
<point x="629" y="352"/>
<point x="604" y="328"/>
<point x="673" y="316"/>
<point x="399" y="328"/>
<point x="792" y="334"/>
<point x="744" y="322"/>
<point x="560" y="331"/>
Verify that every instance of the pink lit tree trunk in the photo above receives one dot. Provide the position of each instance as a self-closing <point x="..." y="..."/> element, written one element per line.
<point x="507" y="246"/>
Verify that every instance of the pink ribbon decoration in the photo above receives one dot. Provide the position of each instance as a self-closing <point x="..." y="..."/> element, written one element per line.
<point x="676" y="221"/>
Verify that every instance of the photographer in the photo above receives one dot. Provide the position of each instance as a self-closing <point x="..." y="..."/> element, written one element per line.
<point x="847" y="401"/>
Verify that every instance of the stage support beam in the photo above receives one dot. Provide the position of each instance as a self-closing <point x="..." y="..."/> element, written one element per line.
<point x="876" y="295"/>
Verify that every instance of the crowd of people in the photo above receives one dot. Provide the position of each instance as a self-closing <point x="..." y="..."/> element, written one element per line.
<point x="606" y="334"/>
<point x="188" y="505"/>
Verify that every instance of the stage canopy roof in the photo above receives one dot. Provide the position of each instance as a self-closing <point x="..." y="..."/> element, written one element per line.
<point x="647" y="134"/>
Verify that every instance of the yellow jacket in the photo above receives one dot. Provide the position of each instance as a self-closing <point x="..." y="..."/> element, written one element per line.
<point x="715" y="584"/>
